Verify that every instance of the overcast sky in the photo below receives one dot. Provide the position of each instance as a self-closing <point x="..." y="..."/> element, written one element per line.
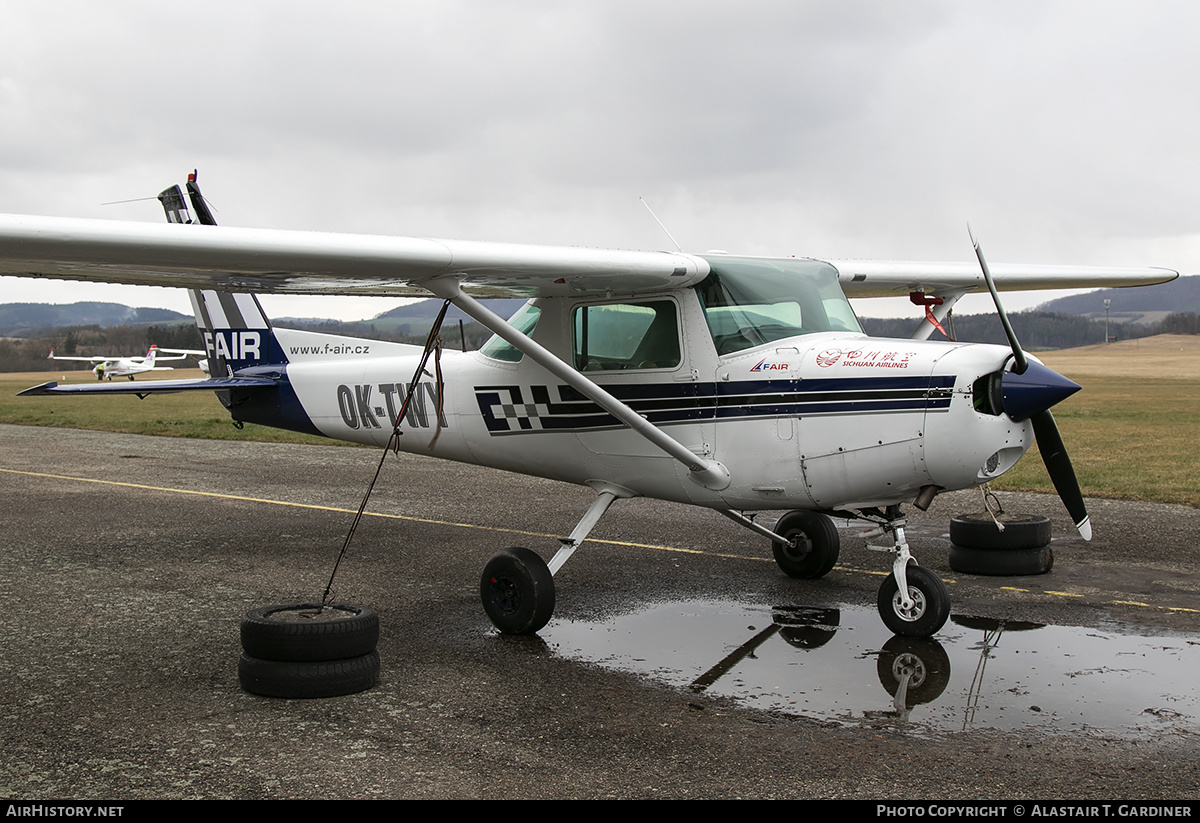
<point x="1065" y="132"/>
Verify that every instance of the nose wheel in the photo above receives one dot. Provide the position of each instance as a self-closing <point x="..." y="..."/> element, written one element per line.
<point x="913" y="602"/>
<point x="923" y="612"/>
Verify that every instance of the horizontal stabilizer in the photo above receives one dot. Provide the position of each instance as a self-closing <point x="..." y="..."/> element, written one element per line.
<point x="146" y="387"/>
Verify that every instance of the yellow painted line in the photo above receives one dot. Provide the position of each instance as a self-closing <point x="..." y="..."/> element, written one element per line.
<point x="864" y="571"/>
<point x="409" y="518"/>
<point x="885" y="573"/>
<point x="500" y="530"/>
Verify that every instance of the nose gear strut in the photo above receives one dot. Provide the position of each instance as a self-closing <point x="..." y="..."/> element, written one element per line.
<point x="912" y="601"/>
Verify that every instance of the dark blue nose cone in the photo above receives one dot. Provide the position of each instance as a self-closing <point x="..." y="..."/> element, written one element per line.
<point x="1036" y="390"/>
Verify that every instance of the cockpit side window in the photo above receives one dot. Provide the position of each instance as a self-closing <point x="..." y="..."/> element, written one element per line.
<point x="619" y="336"/>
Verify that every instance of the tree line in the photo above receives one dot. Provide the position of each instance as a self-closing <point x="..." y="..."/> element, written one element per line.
<point x="1036" y="331"/>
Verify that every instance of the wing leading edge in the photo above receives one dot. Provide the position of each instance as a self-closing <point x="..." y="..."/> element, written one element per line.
<point x="293" y="262"/>
<point x="881" y="278"/>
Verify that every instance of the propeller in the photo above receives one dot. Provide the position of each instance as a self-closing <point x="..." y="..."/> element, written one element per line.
<point x="1029" y="389"/>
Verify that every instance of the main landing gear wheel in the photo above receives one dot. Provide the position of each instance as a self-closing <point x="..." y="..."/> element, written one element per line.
<point x="930" y="607"/>
<point x="816" y="544"/>
<point x="517" y="590"/>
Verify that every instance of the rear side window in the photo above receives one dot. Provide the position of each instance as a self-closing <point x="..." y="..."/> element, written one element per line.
<point x="619" y="336"/>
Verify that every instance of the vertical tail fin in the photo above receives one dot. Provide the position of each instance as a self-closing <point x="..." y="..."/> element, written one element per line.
<point x="173" y="205"/>
<point x="236" y="331"/>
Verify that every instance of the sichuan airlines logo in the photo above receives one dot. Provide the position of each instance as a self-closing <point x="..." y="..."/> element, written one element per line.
<point x="866" y="358"/>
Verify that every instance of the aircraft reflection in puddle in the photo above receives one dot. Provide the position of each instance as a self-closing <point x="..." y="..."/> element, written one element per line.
<point x="978" y="673"/>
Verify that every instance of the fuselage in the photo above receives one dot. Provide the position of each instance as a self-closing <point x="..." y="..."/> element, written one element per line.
<point x="822" y="419"/>
<point x="124" y="366"/>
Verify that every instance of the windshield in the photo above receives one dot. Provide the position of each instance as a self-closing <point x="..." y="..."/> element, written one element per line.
<point x="749" y="301"/>
<point x="524" y="320"/>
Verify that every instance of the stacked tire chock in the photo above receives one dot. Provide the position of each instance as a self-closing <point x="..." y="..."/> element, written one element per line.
<point x="306" y="650"/>
<point x="978" y="546"/>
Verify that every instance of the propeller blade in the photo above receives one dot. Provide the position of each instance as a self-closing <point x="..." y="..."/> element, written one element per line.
<point x="1018" y="354"/>
<point x="1062" y="474"/>
<point x="1031" y="397"/>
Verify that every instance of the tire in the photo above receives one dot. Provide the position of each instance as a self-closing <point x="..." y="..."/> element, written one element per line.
<point x="928" y="614"/>
<point x="1021" y="531"/>
<point x="517" y="591"/>
<point x="806" y="627"/>
<point x="1001" y="563"/>
<point x="817" y="544"/>
<point x="922" y="660"/>
<point x="280" y="633"/>
<point x="304" y="680"/>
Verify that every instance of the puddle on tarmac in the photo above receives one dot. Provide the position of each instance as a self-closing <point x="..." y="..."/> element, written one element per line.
<point x="842" y="665"/>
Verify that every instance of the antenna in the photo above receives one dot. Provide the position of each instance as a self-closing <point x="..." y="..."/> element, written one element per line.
<point x="660" y="223"/>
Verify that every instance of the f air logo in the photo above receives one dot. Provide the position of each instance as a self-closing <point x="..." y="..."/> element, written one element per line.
<point x="234" y="346"/>
<point x="358" y="405"/>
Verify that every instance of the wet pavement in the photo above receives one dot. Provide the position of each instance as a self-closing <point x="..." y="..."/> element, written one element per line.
<point x="680" y="662"/>
<point x="842" y="665"/>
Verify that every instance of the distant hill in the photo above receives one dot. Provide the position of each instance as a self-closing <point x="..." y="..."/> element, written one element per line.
<point x="38" y="319"/>
<point x="28" y="319"/>
<point x="428" y="309"/>
<point x="1145" y="304"/>
<point x="1037" y="330"/>
<point x="418" y="317"/>
<point x="414" y="318"/>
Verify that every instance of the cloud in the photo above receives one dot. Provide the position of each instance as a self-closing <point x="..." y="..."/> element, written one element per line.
<point x="1064" y="131"/>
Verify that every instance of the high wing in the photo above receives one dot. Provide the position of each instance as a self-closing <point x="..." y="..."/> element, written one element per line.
<point x="178" y="354"/>
<point x="291" y="262"/>
<point x="882" y="278"/>
<point x="98" y="359"/>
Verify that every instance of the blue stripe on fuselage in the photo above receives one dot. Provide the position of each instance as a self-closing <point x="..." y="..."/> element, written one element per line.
<point x="514" y="408"/>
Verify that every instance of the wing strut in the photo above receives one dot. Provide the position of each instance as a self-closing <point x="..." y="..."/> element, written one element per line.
<point x="937" y="309"/>
<point x="708" y="473"/>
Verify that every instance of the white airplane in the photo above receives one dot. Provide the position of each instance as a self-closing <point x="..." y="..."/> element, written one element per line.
<point x="738" y="384"/>
<point x="110" y="367"/>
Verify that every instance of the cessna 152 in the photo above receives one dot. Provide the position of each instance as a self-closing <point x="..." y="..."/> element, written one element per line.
<point x="739" y="384"/>
<point x="111" y="367"/>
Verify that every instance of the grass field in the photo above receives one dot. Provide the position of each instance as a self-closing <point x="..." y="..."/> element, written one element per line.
<point x="185" y="414"/>
<point x="1131" y="432"/>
